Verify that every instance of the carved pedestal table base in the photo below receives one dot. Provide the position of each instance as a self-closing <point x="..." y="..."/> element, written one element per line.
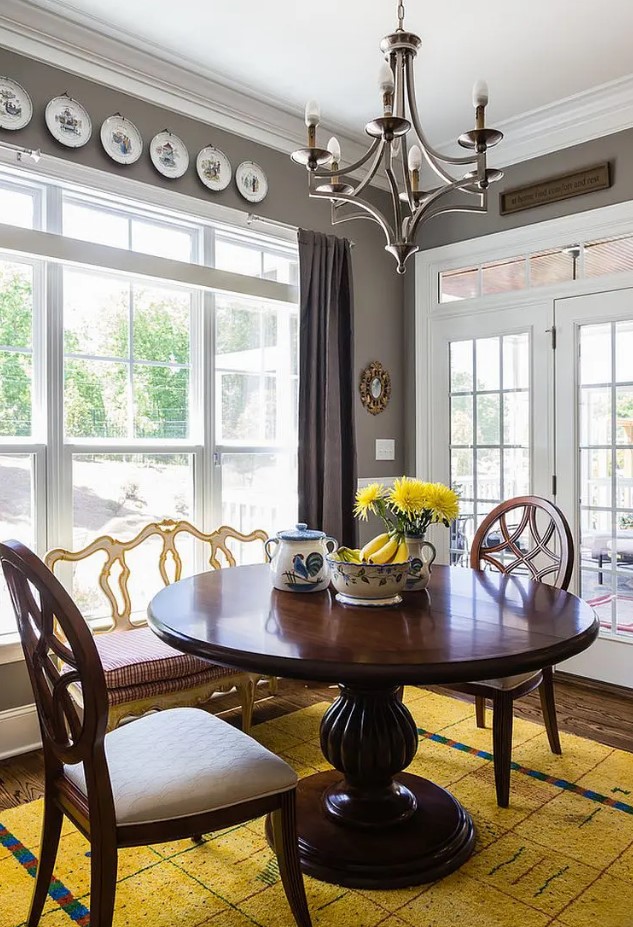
<point x="367" y="824"/>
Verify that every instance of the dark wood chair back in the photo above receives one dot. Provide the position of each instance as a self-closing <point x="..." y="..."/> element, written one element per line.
<point x="59" y="652"/>
<point x="527" y="534"/>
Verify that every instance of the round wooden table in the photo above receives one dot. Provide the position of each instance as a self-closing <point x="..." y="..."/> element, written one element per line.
<point x="366" y="823"/>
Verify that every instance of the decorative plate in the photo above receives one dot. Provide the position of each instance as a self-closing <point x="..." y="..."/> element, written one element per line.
<point x="251" y="181"/>
<point x="121" y="139"/>
<point x="169" y="154"/>
<point x="68" y="121"/>
<point x="214" y="168"/>
<point x="16" y="108"/>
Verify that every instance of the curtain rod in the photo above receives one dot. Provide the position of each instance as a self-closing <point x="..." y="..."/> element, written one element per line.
<point x="33" y="153"/>
<point x="251" y="217"/>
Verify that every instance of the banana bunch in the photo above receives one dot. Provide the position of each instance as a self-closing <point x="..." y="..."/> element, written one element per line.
<point x="349" y="555"/>
<point x="385" y="548"/>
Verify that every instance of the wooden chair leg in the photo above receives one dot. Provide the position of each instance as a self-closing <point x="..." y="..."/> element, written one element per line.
<point x="273" y="685"/>
<point x="51" y="830"/>
<point x="284" y="825"/>
<point x="548" y="706"/>
<point x="480" y="710"/>
<point x="103" y="870"/>
<point x="502" y="716"/>
<point x="246" y="692"/>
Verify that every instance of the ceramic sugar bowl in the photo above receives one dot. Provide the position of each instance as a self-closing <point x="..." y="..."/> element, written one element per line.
<point x="298" y="563"/>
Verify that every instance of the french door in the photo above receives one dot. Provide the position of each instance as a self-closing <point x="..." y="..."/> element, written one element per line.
<point x="490" y="415"/>
<point x="539" y="399"/>
<point x="594" y="461"/>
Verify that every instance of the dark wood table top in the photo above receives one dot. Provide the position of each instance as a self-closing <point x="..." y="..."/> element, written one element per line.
<point x="467" y="626"/>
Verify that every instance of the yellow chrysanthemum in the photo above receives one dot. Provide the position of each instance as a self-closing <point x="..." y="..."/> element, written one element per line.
<point x="367" y="498"/>
<point x="409" y="496"/>
<point x="443" y="501"/>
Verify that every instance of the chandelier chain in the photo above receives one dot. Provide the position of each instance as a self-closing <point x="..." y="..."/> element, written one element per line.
<point x="400" y="15"/>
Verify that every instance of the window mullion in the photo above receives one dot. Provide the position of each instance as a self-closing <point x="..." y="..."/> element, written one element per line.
<point x="130" y="362"/>
<point x="212" y="471"/>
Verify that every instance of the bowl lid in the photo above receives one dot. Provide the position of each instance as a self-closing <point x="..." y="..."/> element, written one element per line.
<point x="301" y="532"/>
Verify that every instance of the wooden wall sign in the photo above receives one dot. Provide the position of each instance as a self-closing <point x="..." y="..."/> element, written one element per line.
<point x="556" y="188"/>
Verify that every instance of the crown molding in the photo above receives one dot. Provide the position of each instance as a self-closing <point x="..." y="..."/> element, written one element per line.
<point x="91" y="48"/>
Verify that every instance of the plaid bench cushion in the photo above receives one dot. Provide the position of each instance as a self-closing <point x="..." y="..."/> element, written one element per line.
<point x="136" y="657"/>
<point x="167" y="686"/>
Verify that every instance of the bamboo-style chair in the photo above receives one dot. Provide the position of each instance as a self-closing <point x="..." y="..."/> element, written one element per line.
<point x="529" y="536"/>
<point x="141" y="672"/>
<point x="175" y="774"/>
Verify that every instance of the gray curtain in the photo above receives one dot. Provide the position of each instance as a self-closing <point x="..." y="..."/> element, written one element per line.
<point x="327" y="446"/>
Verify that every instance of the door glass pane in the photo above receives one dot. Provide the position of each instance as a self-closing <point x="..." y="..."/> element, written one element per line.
<point x="606" y="475"/>
<point x="16" y="518"/>
<point x="490" y="429"/>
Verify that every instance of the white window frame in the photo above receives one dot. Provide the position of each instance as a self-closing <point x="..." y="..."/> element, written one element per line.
<point x="48" y="251"/>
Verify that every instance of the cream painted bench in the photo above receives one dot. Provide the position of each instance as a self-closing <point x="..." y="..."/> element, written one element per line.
<point x="142" y="673"/>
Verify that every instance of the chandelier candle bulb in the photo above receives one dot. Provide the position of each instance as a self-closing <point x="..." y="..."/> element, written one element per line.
<point x="415" y="163"/>
<point x="386" y="83"/>
<point x="312" y="117"/>
<point x="480" y="101"/>
<point x="335" y="150"/>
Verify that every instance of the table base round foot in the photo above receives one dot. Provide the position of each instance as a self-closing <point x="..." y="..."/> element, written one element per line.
<point x="435" y="841"/>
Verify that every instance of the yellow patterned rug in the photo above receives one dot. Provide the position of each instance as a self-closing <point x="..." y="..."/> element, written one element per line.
<point x="560" y="856"/>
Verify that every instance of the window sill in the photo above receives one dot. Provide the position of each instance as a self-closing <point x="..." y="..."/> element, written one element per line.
<point x="10" y="649"/>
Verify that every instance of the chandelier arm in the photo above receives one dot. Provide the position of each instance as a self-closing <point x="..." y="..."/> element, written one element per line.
<point x="326" y="172"/>
<point x="423" y="209"/>
<point x="457" y="208"/>
<point x="432" y="156"/>
<point x="336" y="220"/>
<point x="367" y="179"/>
<point x="404" y="157"/>
<point x="362" y="204"/>
<point x="373" y="170"/>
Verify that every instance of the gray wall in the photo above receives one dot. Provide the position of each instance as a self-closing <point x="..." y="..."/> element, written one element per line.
<point x="617" y="148"/>
<point x="378" y="289"/>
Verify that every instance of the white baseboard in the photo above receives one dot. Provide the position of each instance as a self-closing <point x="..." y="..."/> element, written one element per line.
<point x="19" y="731"/>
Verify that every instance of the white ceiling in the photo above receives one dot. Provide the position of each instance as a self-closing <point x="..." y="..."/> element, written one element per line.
<point x="531" y="52"/>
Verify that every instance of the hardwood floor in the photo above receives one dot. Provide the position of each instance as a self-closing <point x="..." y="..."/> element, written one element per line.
<point x="601" y="714"/>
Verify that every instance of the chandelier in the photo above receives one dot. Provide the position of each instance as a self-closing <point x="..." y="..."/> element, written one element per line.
<point x="399" y="145"/>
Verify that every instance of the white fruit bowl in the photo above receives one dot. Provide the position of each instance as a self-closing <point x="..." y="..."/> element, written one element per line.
<point x="368" y="583"/>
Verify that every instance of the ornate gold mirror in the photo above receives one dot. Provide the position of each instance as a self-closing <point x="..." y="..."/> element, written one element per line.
<point x="375" y="387"/>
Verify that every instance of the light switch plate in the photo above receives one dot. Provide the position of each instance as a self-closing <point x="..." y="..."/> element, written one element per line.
<point x="385" y="449"/>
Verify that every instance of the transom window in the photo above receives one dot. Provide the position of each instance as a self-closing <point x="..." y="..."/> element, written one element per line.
<point x="527" y="271"/>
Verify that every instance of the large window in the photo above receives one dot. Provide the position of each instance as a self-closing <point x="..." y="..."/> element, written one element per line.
<point x="132" y="388"/>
